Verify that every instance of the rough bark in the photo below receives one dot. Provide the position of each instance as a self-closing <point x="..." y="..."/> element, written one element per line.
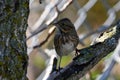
<point x="13" y="24"/>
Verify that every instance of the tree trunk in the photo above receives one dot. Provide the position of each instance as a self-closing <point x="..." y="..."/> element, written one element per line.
<point x="13" y="24"/>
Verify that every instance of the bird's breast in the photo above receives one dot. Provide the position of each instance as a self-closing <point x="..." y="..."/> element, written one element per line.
<point x="67" y="48"/>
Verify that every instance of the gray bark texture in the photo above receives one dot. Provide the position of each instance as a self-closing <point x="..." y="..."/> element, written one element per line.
<point x="13" y="54"/>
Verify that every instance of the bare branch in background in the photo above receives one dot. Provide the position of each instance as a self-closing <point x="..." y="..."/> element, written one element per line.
<point x="43" y="27"/>
<point x="105" y="4"/>
<point x="63" y="4"/>
<point x="117" y="6"/>
<point x="45" y="19"/>
<point x="108" y="22"/>
<point x="44" y="41"/>
<point x="82" y="13"/>
<point x="110" y="12"/>
<point x="50" y="64"/>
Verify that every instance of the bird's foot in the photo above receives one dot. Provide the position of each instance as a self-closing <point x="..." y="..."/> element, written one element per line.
<point x="59" y="68"/>
<point x="76" y="52"/>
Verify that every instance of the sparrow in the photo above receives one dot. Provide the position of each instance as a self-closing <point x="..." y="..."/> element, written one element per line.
<point x="66" y="38"/>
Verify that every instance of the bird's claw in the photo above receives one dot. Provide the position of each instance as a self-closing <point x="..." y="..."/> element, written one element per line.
<point x="76" y="52"/>
<point x="59" y="69"/>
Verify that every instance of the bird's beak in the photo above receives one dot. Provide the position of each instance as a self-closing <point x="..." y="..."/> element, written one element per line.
<point x="55" y="24"/>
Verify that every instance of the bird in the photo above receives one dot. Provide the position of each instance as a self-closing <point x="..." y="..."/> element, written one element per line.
<point x="65" y="39"/>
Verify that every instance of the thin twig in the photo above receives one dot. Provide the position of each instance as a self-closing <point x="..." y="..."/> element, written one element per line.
<point x="51" y="31"/>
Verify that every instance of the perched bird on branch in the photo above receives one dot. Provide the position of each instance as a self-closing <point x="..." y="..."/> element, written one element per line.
<point x="66" y="38"/>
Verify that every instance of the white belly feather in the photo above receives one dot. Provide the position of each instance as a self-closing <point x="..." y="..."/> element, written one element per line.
<point x="67" y="48"/>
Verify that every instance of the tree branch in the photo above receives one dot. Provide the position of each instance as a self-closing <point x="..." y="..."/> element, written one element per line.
<point x="89" y="56"/>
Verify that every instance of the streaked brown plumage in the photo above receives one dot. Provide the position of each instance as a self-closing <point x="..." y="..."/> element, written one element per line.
<point x="66" y="38"/>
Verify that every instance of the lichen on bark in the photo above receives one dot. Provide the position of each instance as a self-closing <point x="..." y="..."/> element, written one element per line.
<point x="13" y="24"/>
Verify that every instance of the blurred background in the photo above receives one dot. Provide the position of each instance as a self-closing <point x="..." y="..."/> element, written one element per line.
<point x="98" y="14"/>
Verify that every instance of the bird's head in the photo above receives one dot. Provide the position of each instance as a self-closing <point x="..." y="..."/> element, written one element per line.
<point x="64" y="25"/>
